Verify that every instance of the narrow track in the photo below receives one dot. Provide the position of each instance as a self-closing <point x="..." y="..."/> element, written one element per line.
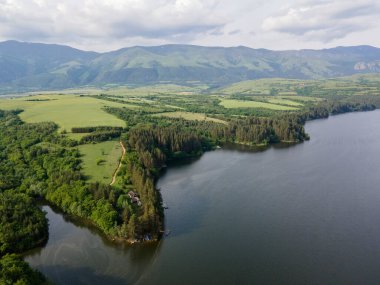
<point x="118" y="168"/>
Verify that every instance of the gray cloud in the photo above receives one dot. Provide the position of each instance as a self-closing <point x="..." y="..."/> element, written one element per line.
<point x="366" y="9"/>
<point x="91" y="19"/>
<point x="216" y="32"/>
<point x="234" y="32"/>
<point x="324" y="21"/>
<point x="105" y="25"/>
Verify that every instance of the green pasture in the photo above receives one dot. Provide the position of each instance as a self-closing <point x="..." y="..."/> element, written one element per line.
<point x="76" y="136"/>
<point x="282" y="101"/>
<point x="263" y="86"/>
<point x="156" y="89"/>
<point x="356" y="85"/>
<point x="230" y="103"/>
<point x="190" y="116"/>
<point x="100" y="160"/>
<point x="65" y="110"/>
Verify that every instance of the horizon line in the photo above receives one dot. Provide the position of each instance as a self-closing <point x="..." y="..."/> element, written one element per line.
<point x="189" y="45"/>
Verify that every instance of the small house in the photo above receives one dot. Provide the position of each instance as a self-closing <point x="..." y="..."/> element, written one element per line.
<point x="136" y="200"/>
<point x="132" y="194"/>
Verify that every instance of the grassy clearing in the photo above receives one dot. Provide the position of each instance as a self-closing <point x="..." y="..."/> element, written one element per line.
<point x="156" y="89"/>
<point x="65" y="110"/>
<point x="282" y="101"/>
<point x="287" y="93"/>
<point x="364" y="84"/>
<point x="190" y="116"/>
<point x="263" y="86"/>
<point x="76" y="136"/>
<point x="100" y="160"/>
<point x="228" y="103"/>
<point x="72" y="91"/>
<point x="174" y="107"/>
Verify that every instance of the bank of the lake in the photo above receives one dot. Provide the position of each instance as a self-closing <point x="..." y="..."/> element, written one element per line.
<point x="300" y="214"/>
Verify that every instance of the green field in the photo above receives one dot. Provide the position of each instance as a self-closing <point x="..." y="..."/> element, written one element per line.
<point x="190" y="116"/>
<point x="263" y="86"/>
<point x="228" y="103"/>
<point x="356" y="85"/>
<point x="108" y="153"/>
<point x="155" y="89"/>
<point x="76" y="136"/>
<point x="283" y="101"/>
<point x="65" y="110"/>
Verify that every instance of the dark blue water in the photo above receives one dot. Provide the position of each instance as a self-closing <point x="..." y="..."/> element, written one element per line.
<point x="306" y="214"/>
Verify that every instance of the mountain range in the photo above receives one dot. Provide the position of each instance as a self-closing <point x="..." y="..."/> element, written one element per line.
<point x="34" y="66"/>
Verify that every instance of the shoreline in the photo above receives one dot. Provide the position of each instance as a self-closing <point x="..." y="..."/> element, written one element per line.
<point x="119" y="240"/>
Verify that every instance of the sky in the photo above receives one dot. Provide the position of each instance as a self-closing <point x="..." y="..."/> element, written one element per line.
<point x="102" y="25"/>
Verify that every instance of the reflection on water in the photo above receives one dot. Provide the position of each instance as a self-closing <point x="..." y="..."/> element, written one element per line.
<point x="78" y="254"/>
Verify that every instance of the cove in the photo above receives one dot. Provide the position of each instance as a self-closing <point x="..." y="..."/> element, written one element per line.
<point x="302" y="214"/>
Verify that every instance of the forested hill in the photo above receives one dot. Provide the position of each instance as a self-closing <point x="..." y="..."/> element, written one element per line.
<point x="26" y="66"/>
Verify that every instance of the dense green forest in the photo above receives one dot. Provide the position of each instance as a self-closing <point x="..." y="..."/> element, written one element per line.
<point x="13" y="270"/>
<point x="22" y="224"/>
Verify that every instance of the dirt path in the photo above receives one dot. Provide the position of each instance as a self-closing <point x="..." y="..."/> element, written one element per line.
<point x="118" y="168"/>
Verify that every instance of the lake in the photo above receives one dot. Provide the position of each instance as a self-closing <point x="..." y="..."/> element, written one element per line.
<point x="302" y="214"/>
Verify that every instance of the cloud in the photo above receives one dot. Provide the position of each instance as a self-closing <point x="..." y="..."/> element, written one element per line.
<point x="234" y="32"/>
<point x="105" y="25"/>
<point x="92" y="20"/>
<point x="324" y="21"/>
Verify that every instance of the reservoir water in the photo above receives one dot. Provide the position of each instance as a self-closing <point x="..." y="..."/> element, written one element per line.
<point x="302" y="214"/>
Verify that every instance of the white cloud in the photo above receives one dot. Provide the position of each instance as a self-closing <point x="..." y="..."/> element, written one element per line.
<point x="324" y="20"/>
<point x="90" y="19"/>
<point x="109" y="24"/>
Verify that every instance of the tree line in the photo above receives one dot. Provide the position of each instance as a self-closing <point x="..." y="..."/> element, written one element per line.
<point x="79" y="130"/>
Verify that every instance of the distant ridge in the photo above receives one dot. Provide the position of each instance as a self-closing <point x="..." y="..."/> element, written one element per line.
<point x="34" y="66"/>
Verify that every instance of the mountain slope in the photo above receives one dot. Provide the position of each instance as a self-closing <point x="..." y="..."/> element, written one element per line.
<point x="25" y="66"/>
<point x="40" y="65"/>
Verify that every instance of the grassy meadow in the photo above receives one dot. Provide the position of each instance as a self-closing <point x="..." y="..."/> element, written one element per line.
<point x="262" y="86"/>
<point x="157" y="89"/>
<point x="229" y="103"/>
<point x="65" y="110"/>
<point x="356" y="85"/>
<point x="284" y="101"/>
<point x="100" y="160"/>
<point x="190" y="116"/>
